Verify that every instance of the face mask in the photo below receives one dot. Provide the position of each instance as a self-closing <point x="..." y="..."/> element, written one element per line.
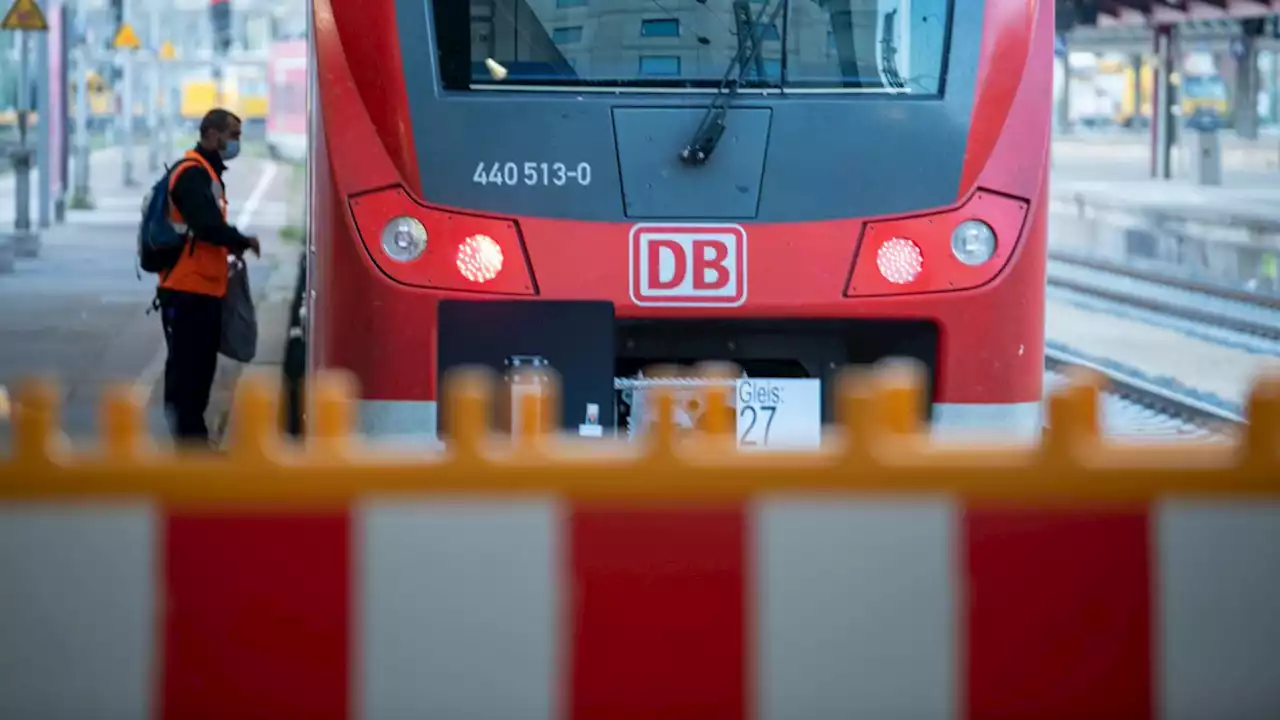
<point x="231" y="151"/>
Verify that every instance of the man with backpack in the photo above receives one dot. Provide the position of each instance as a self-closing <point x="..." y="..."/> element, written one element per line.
<point x="185" y="240"/>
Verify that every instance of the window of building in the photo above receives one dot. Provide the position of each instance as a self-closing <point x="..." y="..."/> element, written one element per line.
<point x="893" y="45"/>
<point x="567" y="35"/>
<point x="665" y="27"/>
<point x="659" y="65"/>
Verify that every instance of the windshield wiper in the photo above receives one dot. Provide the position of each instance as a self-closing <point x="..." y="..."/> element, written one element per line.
<point x="711" y="129"/>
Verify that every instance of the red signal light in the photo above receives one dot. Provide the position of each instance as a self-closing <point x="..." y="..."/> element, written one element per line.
<point x="899" y="260"/>
<point x="479" y="258"/>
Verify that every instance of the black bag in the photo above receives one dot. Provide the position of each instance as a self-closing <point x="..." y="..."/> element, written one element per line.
<point x="239" y="318"/>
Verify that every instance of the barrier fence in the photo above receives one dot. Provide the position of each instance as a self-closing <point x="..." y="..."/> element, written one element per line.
<point x="884" y="576"/>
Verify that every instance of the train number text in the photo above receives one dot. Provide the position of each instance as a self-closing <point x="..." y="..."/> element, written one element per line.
<point x="531" y="173"/>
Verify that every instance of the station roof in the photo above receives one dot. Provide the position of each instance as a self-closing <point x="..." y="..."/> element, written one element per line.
<point x="1160" y="12"/>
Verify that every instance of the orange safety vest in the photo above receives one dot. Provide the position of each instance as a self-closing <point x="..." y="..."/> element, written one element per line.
<point x="202" y="267"/>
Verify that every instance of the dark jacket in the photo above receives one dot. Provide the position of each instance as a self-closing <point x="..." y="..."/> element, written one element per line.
<point x="193" y="197"/>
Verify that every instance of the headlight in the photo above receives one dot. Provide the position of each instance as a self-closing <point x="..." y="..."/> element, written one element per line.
<point x="404" y="239"/>
<point x="973" y="242"/>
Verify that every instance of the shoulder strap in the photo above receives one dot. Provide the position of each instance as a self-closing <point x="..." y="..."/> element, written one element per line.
<point x="188" y="244"/>
<point x="181" y="165"/>
<point x="193" y="155"/>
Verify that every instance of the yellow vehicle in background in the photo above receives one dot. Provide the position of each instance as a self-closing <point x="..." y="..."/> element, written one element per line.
<point x="243" y="91"/>
<point x="1203" y="93"/>
<point x="1199" y="92"/>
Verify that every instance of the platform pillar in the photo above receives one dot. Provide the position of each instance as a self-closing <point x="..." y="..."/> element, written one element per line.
<point x="1162" y="118"/>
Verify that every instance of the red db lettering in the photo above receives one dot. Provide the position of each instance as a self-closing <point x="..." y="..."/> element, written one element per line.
<point x="709" y="258"/>
<point x="657" y="248"/>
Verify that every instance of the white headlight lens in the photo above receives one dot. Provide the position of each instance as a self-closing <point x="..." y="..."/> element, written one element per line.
<point x="973" y="242"/>
<point x="404" y="239"/>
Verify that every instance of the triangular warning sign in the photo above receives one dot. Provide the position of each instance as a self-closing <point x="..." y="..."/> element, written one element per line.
<point x="166" y="51"/>
<point x="24" y="15"/>
<point x="126" y="38"/>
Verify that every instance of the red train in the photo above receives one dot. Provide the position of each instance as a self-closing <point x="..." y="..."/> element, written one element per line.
<point x="600" y="185"/>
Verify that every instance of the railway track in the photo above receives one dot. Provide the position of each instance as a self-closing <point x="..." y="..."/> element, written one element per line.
<point x="1251" y="316"/>
<point x="1137" y="407"/>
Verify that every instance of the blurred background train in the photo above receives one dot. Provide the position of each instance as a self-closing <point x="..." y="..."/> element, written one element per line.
<point x="269" y="96"/>
<point x="244" y="91"/>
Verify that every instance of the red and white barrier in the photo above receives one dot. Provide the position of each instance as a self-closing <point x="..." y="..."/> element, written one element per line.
<point x="828" y="607"/>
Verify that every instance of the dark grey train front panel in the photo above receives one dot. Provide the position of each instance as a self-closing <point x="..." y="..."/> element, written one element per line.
<point x="604" y="153"/>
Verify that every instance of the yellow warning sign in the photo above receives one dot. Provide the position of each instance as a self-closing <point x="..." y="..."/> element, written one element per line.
<point x="166" y="51"/>
<point x="24" y="15"/>
<point x="126" y="38"/>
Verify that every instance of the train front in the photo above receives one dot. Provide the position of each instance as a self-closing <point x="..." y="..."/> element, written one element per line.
<point x="599" y="186"/>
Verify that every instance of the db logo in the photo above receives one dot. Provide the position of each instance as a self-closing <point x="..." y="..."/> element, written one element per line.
<point x="687" y="265"/>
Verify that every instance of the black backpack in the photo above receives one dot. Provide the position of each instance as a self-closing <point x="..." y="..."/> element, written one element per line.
<point x="160" y="244"/>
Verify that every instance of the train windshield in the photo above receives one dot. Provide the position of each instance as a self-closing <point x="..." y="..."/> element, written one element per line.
<point x="1201" y="87"/>
<point x="885" y="46"/>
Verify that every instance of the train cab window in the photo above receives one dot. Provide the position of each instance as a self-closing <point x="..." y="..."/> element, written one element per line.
<point x="888" y="46"/>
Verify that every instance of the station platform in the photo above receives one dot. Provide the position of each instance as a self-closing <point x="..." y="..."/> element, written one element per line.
<point x="1127" y="155"/>
<point x="1113" y="171"/>
<point x="1110" y="173"/>
<point x="1105" y="208"/>
<point x="78" y="311"/>
<point x="1104" y="204"/>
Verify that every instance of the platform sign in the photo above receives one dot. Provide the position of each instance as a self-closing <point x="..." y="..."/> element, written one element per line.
<point x="126" y="38"/>
<point x="24" y="15"/>
<point x="779" y="413"/>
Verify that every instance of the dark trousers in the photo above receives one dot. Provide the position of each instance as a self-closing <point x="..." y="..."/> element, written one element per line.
<point x="193" y="334"/>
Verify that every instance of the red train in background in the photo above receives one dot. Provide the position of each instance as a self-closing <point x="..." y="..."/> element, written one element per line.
<point x="287" y="99"/>
<point x="601" y="185"/>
